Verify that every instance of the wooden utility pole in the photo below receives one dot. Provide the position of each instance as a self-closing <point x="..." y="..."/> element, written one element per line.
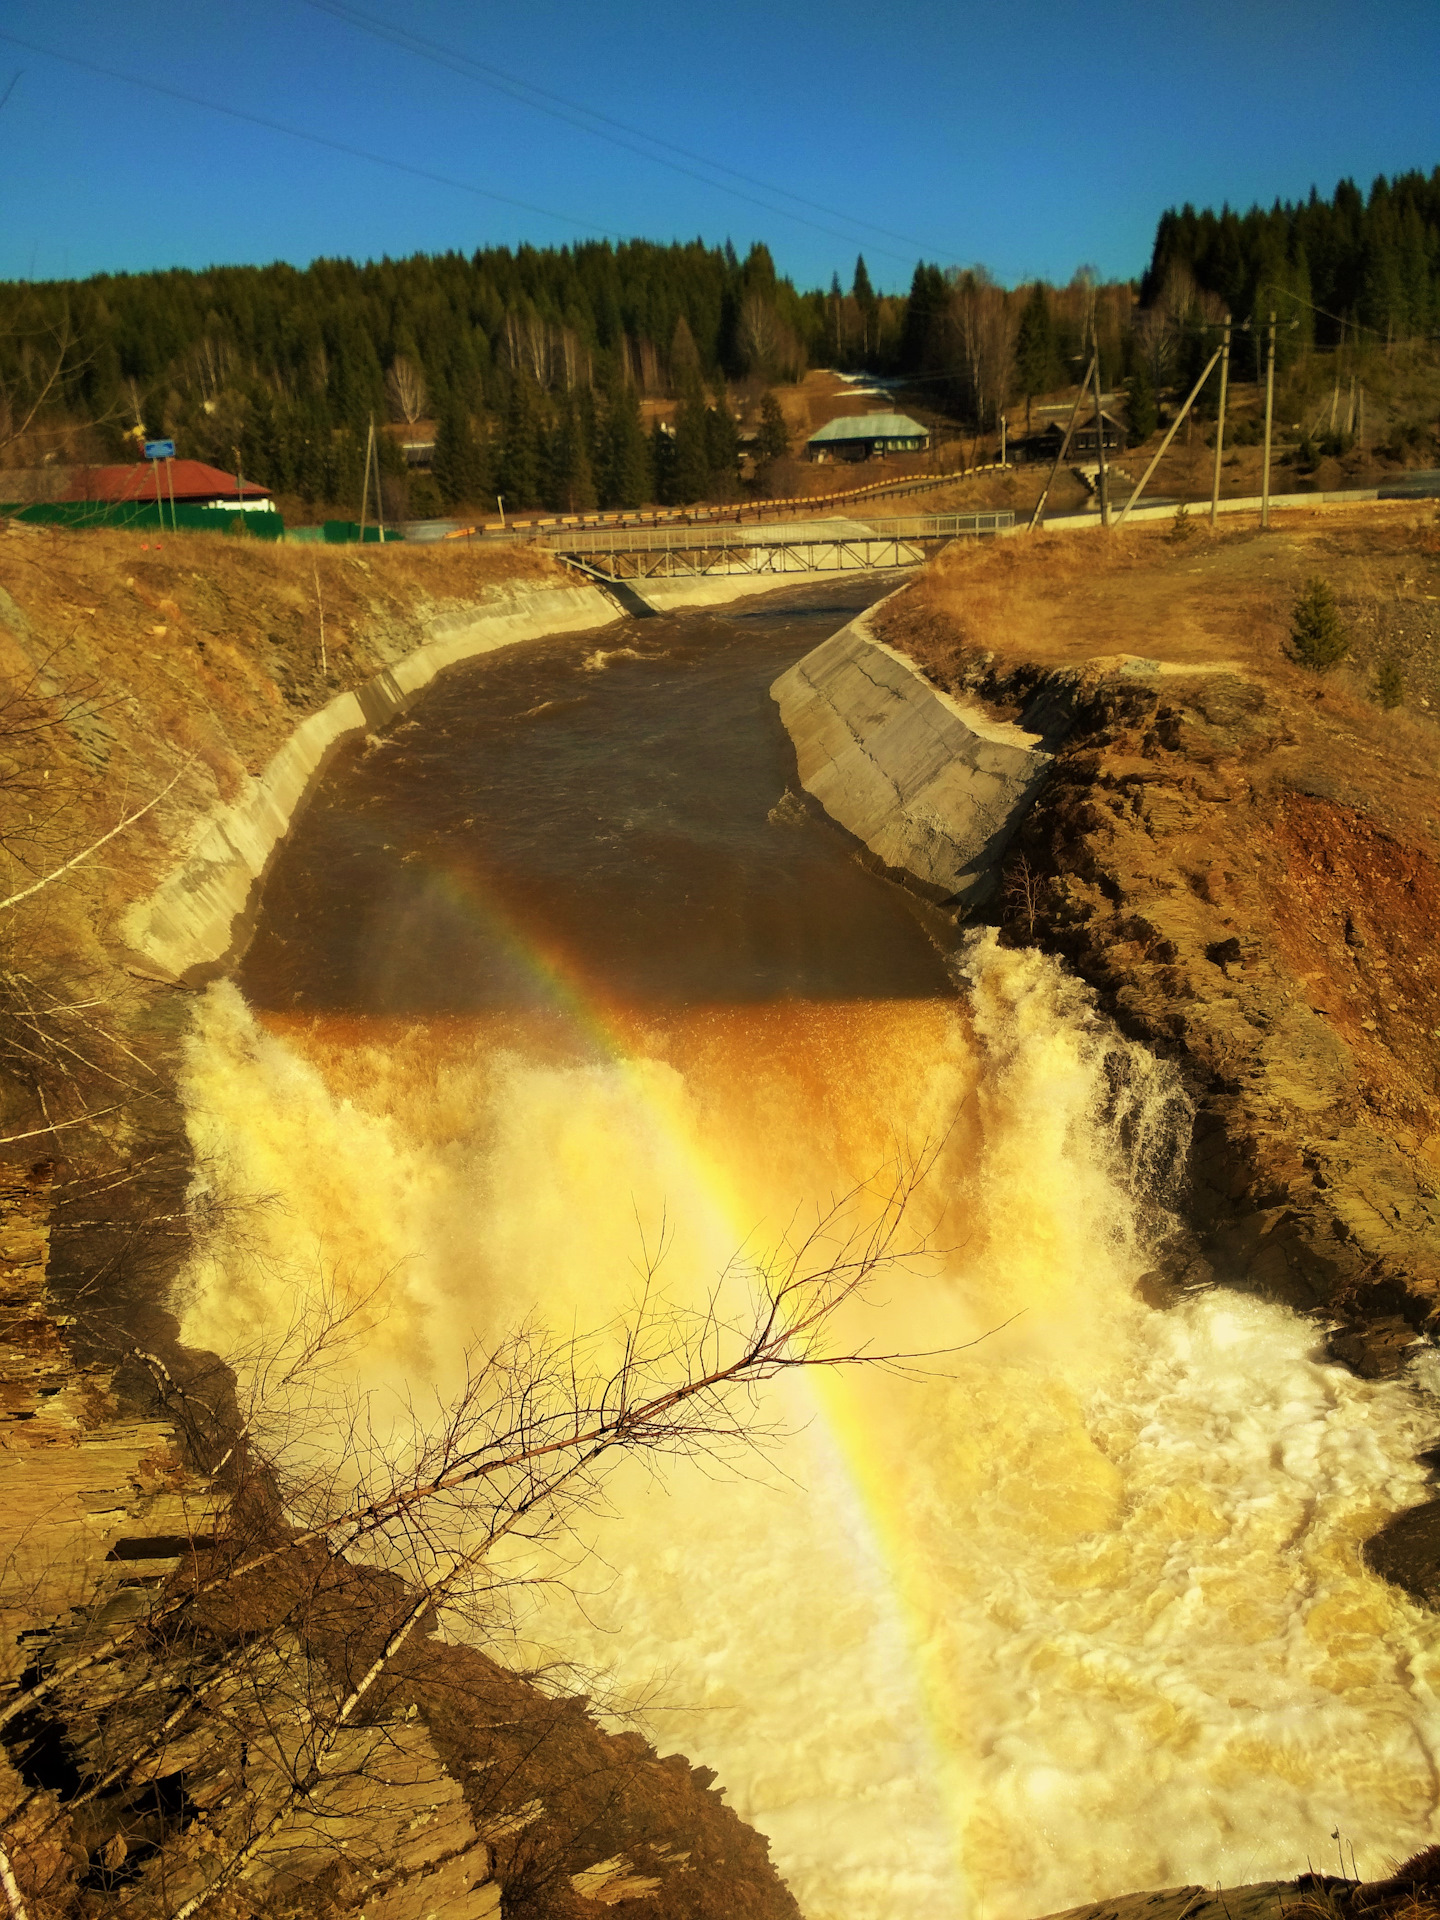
<point x="379" y="494"/>
<point x="1335" y="390"/>
<point x="1220" y="423"/>
<point x="365" y="491"/>
<point x="1171" y="431"/>
<point x="1100" y="444"/>
<point x="1064" y="449"/>
<point x="1269" y="422"/>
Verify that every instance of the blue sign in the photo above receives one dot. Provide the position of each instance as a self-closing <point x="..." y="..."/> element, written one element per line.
<point x="159" y="449"/>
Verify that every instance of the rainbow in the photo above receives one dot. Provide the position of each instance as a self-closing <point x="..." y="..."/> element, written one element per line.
<point x="616" y="1034"/>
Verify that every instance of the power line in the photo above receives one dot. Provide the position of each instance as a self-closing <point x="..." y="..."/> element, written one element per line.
<point x="300" y="133"/>
<point x="573" y="113"/>
<point x="1340" y="319"/>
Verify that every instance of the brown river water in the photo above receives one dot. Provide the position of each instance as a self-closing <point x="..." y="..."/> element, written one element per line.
<point x="560" y="958"/>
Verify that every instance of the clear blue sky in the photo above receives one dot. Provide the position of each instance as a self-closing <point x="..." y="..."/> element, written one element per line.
<point x="1030" y="136"/>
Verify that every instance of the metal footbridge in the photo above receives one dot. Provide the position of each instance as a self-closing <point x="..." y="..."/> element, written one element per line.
<point x="799" y="547"/>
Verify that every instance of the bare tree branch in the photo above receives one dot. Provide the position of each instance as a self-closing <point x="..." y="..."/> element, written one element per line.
<point x="12" y="1887"/>
<point x="95" y="846"/>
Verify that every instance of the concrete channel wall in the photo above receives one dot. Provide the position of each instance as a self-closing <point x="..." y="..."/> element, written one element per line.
<point x="933" y="789"/>
<point x="201" y="913"/>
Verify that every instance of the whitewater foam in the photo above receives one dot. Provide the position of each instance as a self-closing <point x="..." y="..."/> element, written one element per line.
<point x="1086" y="1614"/>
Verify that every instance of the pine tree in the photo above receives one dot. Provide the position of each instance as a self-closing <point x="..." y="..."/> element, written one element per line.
<point x="520" y="449"/>
<point x="260" y="452"/>
<point x="1390" y="683"/>
<point x="571" y="487"/>
<point x="344" y="466"/>
<point x="722" y="448"/>
<point x="690" y="475"/>
<point x="460" y="467"/>
<point x="1318" y="638"/>
<point x="684" y="356"/>
<point x="772" y="442"/>
<point x="662" y="464"/>
<point x="920" y="339"/>
<point x="1142" y="410"/>
<point x="309" y="435"/>
<point x="625" y="477"/>
<point x="869" y="308"/>
<point x="587" y="421"/>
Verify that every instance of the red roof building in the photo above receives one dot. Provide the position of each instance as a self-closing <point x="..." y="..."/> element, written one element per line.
<point x="190" y="482"/>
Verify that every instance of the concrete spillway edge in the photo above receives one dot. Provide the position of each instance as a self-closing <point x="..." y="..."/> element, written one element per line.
<point x="933" y="789"/>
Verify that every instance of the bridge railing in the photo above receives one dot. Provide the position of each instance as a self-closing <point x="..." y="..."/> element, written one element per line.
<point x="914" y="526"/>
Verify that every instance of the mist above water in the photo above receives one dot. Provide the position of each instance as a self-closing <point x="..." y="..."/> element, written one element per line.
<point x="1083" y="1613"/>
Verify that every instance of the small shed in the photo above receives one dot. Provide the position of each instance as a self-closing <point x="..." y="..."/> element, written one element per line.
<point x="190" y="483"/>
<point x="859" y="436"/>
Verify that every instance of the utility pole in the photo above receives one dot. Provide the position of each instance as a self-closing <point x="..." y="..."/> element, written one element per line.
<point x="1269" y="421"/>
<point x="1335" y="390"/>
<point x="365" y="491"/>
<point x="1220" y="423"/>
<point x="1100" y="443"/>
<point x="1002" y="440"/>
<point x="1036" y="516"/>
<point x="1170" y="434"/>
<point x="379" y="495"/>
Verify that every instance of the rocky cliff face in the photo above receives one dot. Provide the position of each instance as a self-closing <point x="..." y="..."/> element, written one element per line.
<point x="1191" y="849"/>
<point x="1243" y="860"/>
<point x="1200" y="856"/>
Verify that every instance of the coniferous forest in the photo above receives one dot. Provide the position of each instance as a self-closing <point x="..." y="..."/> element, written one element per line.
<point x="531" y="369"/>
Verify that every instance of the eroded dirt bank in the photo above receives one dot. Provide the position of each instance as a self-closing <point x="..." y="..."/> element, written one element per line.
<point x="165" y="676"/>
<point x="1243" y="858"/>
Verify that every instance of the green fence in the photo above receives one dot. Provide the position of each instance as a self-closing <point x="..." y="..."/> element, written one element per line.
<point x="339" y="532"/>
<point x="149" y="517"/>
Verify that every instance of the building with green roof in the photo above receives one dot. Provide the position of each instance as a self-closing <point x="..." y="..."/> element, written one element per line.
<point x="859" y="436"/>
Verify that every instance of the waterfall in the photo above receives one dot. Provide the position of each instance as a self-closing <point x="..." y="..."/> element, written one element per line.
<point x="1078" y="1610"/>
